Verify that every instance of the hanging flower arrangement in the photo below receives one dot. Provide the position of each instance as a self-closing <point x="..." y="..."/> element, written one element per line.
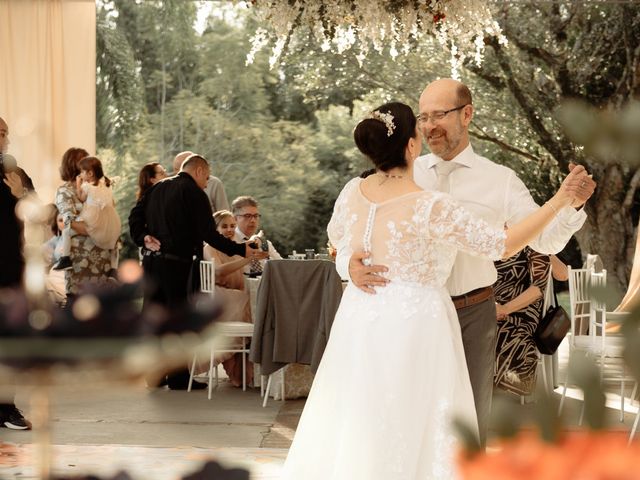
<point x="339" y="25"/>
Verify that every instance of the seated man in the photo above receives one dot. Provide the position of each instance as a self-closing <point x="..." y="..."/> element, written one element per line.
<point x="245" y="209"/>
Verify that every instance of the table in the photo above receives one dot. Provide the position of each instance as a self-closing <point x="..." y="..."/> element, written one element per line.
<point x="294" y="275"/>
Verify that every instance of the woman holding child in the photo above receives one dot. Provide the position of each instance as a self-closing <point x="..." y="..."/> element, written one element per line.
<point x="90" y="263"/>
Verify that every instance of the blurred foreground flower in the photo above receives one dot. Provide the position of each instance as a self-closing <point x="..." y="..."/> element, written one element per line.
<point x="593" y="453"/>
<point x="587" y="455"/>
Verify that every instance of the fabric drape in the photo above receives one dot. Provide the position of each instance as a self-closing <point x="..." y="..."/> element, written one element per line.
<point x="47" y="83"/>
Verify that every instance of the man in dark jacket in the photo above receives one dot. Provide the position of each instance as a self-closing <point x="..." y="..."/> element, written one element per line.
<point x="171" y="222"/>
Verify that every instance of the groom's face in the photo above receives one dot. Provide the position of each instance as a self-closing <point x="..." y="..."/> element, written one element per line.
<point x="446" y="137"/>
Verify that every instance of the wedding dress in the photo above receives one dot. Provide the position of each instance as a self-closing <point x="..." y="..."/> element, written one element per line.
<point x="393" y="375"/>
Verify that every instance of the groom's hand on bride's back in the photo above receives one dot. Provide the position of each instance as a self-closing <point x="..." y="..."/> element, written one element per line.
<point x="365" y="277"/>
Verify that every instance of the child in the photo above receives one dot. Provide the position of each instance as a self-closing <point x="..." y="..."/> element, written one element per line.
<point x="52" y="251"/>
<point x="98" y="213"/>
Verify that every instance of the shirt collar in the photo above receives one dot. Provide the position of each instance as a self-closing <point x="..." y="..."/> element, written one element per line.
<point x="465" y="158"/>
<point x="240" y="234"/>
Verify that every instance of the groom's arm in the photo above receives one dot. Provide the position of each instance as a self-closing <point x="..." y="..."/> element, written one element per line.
<point x="365" y="277"/>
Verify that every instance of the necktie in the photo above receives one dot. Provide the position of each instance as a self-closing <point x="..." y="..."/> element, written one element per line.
<point x="443" y="170"/>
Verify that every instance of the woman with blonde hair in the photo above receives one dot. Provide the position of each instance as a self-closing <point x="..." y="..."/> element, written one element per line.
<point x="230" y="289"/>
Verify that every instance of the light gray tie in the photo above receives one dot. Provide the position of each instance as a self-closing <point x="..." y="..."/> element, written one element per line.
<point x="443" y="170"/>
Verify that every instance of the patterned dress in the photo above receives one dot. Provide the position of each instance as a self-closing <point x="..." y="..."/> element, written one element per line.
<point x="91" y="264"/>
<point x="516" y="353"/>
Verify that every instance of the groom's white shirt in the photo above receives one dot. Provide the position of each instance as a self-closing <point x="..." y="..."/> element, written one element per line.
<point x="494" y="193"/>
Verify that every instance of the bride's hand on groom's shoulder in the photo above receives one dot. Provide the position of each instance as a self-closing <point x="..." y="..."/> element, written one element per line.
<point x="364" y="276"/>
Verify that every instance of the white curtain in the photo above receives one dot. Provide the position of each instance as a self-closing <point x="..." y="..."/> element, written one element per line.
<point x="47" y="83"/>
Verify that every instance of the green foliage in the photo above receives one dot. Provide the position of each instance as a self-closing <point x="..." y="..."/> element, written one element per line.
<point x="284" y="134"/>
<point x="119" y="100"/>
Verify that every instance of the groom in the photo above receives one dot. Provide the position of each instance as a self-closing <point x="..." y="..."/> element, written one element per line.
<point x="491" y="192"/>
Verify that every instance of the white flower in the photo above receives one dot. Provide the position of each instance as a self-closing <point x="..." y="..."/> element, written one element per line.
<point x="459" y="25"/>
<point x="385" y="118"/>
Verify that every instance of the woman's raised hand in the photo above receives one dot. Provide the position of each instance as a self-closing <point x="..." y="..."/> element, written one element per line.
<point x="576" y="188"/>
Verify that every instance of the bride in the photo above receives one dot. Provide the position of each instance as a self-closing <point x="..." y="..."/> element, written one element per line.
<point x="393" y="375"/>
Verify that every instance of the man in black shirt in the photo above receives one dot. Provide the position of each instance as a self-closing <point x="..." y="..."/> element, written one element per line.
<point x="171" y="222"/>
<point x="11" y="259"/>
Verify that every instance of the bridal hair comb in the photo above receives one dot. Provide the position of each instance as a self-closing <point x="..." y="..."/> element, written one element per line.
<point x="385" y="118"/>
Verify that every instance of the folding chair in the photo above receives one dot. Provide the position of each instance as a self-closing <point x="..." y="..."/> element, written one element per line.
<point x="226" y="330"/>
<point x="579" y="312"/>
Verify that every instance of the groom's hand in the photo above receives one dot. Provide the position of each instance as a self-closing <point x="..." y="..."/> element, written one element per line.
<point x="584" y="186"/>
<point x="365" y="277"/>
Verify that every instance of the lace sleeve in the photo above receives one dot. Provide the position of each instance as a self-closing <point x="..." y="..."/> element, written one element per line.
<point x="342" y="218"/>
<point x="456" y="226"/>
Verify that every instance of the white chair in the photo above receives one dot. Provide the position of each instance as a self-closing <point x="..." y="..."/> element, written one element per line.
<point x="265" y="392"/>
<point x="208" y="277"/>
<point x="579" y="312"/>
<point x="226" y="330"/>
<point x="604" y="348"/>
<point x="607" y="348"/>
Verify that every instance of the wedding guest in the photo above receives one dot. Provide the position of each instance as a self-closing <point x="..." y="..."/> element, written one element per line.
<point x="149" y="175"/>
<point x="493" y="193"/>
<point x="230" y="289"/>
<point x="11" y="256"/>
<point x="171" y="221"/>
<point x="519" y="293"/>
<point x="98" y="216"/>
<point x="395" y="421"/>
<point x="213" y="188"/>
<point x="91" y="263"/>
<point x="245" y="209"/>
<point x="52" y="251"/>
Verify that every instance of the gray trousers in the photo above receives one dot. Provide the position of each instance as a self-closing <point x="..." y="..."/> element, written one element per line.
<point x="478" y="325"/>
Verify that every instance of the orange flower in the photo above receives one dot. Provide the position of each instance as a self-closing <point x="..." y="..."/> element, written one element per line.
<point x="578" y="455"/>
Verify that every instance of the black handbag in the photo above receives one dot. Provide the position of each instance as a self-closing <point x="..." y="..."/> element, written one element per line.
<point x="552" y="329"/>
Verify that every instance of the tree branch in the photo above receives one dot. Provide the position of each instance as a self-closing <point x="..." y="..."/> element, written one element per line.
<point x="537" y="52"/>
<point x="546" y="138"/>
<point x="482" y="135"/>
<point x="494" y="80"/>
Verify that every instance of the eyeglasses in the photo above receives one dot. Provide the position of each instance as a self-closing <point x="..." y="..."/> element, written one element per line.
<point x="438" y="114"/>
<point x="249" y="216"/>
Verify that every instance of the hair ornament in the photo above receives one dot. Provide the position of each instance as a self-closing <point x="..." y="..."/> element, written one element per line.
<point x="385" y="118"/>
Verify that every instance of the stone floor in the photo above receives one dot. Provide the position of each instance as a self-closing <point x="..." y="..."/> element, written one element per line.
<point x="164" y="434"/>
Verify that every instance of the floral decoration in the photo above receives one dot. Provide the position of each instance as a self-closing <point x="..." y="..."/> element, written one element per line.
<point x="459" y="25"/>
<point x="385" y="118"/>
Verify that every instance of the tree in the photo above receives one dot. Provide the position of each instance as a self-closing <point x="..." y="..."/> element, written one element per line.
<point x="575" y="51"/>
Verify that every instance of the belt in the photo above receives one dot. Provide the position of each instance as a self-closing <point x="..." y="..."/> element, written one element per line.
<point x="168" y="256"/>
<point x="472" y="298"/>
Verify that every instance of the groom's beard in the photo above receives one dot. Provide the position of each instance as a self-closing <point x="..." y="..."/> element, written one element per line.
<point x="442" y="142"/>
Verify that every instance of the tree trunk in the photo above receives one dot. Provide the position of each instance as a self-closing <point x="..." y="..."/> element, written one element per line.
<point x="609" y="231"/>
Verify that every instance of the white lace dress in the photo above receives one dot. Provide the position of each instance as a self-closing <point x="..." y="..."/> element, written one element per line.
<point x="393" y="375"/>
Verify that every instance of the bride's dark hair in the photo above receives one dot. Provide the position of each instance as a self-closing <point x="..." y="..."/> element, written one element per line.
<point x="384" y="135"/>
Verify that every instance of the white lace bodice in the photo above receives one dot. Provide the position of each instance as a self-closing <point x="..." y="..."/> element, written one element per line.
<point x="416" y="235"/>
